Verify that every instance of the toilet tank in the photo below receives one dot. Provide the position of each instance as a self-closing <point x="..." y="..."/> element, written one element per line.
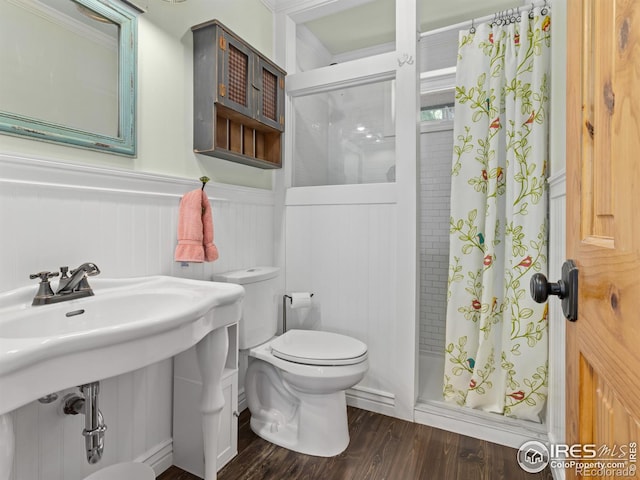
<point x="259" y="320"/>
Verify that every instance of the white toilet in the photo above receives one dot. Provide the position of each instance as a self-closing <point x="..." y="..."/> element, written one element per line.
<point x="295" y="383"/>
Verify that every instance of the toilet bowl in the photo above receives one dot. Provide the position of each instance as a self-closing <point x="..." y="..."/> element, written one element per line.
<point x="295" y="388"/>
<point x="124" y="471"/>
<point x="295" y="383"/>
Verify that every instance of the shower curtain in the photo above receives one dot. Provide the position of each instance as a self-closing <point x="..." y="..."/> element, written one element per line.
<point x="496" y="335"/>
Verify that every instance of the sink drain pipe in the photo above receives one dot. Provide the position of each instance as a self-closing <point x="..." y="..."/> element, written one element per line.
<point x="94" y="426"/>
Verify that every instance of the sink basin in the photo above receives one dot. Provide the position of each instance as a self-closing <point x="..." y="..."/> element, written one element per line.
<point x="103" y="314"/>
<point x="126" y="325"/>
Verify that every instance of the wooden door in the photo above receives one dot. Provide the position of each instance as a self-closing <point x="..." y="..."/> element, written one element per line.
<point x="603" y="222"/>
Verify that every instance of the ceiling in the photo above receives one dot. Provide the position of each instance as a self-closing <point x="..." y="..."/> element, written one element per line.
<point x="373" y="23"/>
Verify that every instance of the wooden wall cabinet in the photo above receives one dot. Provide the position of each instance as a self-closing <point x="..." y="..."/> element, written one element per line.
<point x="238" y="99"/>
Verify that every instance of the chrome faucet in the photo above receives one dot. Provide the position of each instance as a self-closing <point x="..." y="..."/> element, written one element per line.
<point x="70" y="287"/>
<point x="77" y="282"/>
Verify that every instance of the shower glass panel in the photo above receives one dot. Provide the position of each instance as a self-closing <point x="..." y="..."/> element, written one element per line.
<point x="345" y="136"/>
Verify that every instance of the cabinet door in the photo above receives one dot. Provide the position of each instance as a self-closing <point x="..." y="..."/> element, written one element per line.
<point x="269" y="84"/>
<point x="234" y="81"/>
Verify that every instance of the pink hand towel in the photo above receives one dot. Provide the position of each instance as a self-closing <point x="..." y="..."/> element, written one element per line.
<point x="210" y="250"/>
<point x="195" y="229"/>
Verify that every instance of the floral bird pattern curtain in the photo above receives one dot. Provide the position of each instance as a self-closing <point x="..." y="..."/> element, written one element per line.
<point x="496" y="335"/>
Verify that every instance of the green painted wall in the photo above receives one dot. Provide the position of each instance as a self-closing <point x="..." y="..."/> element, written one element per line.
<point x="165" y="94"/>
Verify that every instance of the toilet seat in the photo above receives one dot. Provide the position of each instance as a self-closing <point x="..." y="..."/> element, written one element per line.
<point x="312" y="347"/>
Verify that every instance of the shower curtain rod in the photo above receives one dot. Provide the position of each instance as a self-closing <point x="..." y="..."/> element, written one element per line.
<point x="524" y="8"/>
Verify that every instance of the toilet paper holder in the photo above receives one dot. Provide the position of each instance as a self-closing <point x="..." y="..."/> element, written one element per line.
<point x="284" y="310"/>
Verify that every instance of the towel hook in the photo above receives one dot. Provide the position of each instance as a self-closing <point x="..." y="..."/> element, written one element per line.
<point x="204" y="181"/>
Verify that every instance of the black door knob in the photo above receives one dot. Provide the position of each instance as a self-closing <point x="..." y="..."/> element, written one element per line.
<point x="541" y="288"/>
<point x="566" y="289"/>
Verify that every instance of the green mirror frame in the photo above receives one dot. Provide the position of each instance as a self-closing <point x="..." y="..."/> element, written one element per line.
<point x="125" y="142"/>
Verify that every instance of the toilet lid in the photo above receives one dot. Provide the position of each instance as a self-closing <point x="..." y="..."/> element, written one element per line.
<point x="311" y="347"/>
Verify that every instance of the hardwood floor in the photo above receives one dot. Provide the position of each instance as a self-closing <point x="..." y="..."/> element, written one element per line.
<point x="381" y="448"/>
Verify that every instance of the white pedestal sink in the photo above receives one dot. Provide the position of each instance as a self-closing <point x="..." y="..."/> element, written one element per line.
<point x="128" y="324"/>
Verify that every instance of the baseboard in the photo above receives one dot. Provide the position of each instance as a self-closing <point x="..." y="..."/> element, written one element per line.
<point x="377" y="401"/>
<point x="482" y="425"/>
<point x="159" y="457"/>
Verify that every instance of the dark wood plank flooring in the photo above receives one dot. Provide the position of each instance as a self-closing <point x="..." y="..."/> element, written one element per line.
<point x="381" y="448"/>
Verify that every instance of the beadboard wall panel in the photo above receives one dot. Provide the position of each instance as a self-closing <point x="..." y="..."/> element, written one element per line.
<point x="54" y="214"/>
<point x="345" y="255"/>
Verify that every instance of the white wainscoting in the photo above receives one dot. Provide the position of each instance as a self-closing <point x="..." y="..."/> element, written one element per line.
<point x="344" y="252"/>
<point x="54" y="214"/>
<point x="557" y="322"/>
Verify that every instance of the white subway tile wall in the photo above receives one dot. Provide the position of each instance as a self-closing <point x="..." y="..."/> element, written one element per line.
<point x="435" y="187"/>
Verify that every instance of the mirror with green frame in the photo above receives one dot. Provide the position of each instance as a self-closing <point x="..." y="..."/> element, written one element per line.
<point x="69" y="73"/>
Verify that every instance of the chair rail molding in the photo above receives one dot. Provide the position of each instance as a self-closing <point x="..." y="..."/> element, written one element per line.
<point x="17" y="169"/>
